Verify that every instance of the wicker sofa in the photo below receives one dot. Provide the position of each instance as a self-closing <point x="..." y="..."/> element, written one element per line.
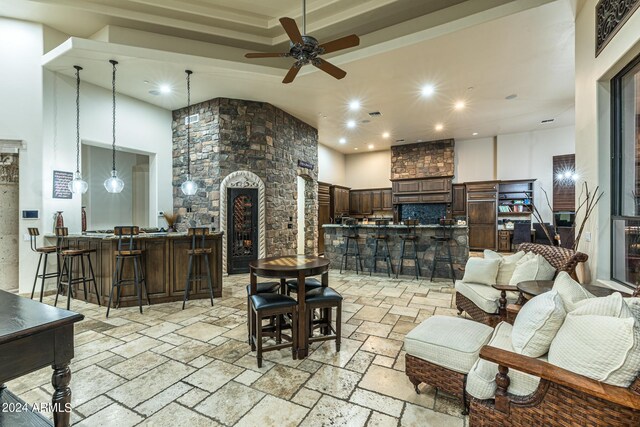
<point x="561" y="259"/>
<point x="563" y="398"/>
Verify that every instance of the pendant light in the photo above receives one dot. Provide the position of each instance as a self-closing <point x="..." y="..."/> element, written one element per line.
<point x="78" y="185"/>
<point x="113" y="184"/>
<point x="189" y="187"/>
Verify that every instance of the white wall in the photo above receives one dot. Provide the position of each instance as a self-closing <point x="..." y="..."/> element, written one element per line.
<point x="474" y="160"/>
<point x="331" y="166"/>
<point x="21" y="119"/>
<point x="530" y="155"/>
<point x="593" y="117"/>
<point x="368" y="170"/>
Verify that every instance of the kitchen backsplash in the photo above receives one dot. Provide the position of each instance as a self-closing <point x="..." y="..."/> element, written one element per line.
<point x="426" y="213"/>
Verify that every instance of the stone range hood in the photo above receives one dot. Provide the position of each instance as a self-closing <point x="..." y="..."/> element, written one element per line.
<point x="232" y="135"/>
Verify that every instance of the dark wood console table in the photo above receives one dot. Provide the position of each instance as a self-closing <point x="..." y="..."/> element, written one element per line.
<point x="34" y="335"/>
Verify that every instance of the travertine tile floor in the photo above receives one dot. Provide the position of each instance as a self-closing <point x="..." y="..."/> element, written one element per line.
<point x="169" y="367"/>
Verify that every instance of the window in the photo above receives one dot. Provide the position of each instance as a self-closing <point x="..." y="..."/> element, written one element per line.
<point x="625" y="181"/>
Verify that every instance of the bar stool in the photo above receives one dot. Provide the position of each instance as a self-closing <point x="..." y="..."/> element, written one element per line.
<point x="411" y="237"/>
<point x="67" y="256"/>
<point x="444" y="239"/>
<point x="43" y="251"/>
<point x="128" y="250"/>
<point x="198" y="249"/>
<point x="324" y="299"/>
<point x="309" y="284"/>
<point x="381" y="235"/>
<point x="273" y="305"/>
<point x="351" y="234"/>
<point x="262" y="288"/>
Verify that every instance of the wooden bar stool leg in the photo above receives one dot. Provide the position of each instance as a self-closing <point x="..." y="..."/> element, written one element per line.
<point x="259" y="337"/>
<point x="93" y="278"/>
<point x="338" y="325"/>
<point x="137" y="283"/>
<point x="44" y="274"/>
<point x="35" y="280"/>
<point x="294" y="334"/>
<point x="84" y="277"/>
<point x="186" y="286"/>
<point x="206" y="263"/>
<point x="70" y="282"/>
<point x="113" y="285"/>
<point x="119" y="288"/>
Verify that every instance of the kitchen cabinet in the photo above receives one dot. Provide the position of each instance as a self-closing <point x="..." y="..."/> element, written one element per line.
<point x="458" y="200"/>
<point x="482" y="214"/>
<point x="381" y="200"/>
<point x="324" y="212"/>
<point x="387" y="200"/>
<point x="504" y="240"/>
<point x="360" y="202"/>
<point x="425" y="185"/>
<point x="339" y="201"/>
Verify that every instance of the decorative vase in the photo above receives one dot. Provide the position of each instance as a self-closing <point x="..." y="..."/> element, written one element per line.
<point x="84" y="219"/>
<point x="59" y="220"/>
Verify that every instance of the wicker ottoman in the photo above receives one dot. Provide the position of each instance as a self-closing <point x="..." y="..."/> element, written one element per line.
<point x="441" y="351"/>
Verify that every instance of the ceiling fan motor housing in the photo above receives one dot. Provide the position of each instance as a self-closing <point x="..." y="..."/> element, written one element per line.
<point x="307" y="52"/>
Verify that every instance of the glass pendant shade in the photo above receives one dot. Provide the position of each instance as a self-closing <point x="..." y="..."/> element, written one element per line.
<point x="189" y="187"/>
<point x="78" y="185"/>
<point x="113" y="184"/>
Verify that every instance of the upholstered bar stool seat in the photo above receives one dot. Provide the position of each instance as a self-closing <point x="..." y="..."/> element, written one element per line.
<point x="271" y="300"/>
<point x="265" y="287"/>
<point x="309" y="284"/>
<point x="324" y="299"/>
<point x="322" y="295"/>
<point x="283" y="309"/>
<point x="441" y="351"/>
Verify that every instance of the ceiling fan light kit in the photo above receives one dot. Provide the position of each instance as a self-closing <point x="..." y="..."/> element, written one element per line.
<point x="306" y="49"/>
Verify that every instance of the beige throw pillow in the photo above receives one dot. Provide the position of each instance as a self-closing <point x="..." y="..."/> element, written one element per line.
<point x="570" y="291"/>
<point x="537" y="324"/>
<point x="612" y="306"/>
<point x="536" y="268"/>
<point x="507" y="265"/>
<point x="481" y="271"/>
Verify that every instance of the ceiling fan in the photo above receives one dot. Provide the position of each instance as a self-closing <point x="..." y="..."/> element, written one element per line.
<point x="307" y="50"/>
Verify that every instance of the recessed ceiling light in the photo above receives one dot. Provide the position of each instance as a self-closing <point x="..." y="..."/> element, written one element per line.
<point x="439" y="126"/>
<point x="343" y="141"/>
<point x="351" y="124"/>
<point x="354" y="105"/>
<point x="459" y="105"/>
<point x="165" y="88"/>
<point x="427" y="90"/>
<point x="475" y="133"/>
<point x="385" y="135"/>
<point x="512" y="96"/>
<point x="146" y="82"/>
<point x="356" y="148"/>
<point x="370" y="146"/>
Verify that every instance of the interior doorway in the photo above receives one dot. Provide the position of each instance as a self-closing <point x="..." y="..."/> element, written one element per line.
<point x="9" y="222"/>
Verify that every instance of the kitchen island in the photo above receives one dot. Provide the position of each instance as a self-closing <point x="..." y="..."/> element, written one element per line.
<point x="334" y="247"/>
<point x="164" y="263"/>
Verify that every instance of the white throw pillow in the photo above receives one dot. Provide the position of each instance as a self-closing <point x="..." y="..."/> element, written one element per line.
<point x="482" y="271"/>
<point x="507" y="265"/>
<point x="612" y="306"/>
<point x="536" y="268"/>
<point x="570" y="291"/>
<point x="604" y="348"/>
<point x="527" y="257"/>
<point x="634" y="306"/>
<point x="537" y="324"/>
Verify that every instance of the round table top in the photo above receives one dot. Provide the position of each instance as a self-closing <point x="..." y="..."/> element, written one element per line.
<point x="537" y="287"/>
<point x="291" y="264"/>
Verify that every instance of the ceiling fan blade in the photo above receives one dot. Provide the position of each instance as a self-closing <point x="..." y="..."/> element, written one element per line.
<point x="293" y="72"/>
<point x="264" y="55"/>
<point x="341" y="43"/>
<point x="291" y="28"/>
<point x="329" y="68"/>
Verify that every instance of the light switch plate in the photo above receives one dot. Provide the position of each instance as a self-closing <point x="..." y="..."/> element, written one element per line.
<point x="587" y="236"/>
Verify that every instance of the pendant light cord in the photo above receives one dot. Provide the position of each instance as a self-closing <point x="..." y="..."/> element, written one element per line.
<point x="78" y="68"/>
<point x="113" y="86"/>
<point x="189" y="72"/>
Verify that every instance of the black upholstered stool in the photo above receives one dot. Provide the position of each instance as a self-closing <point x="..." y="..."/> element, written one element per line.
<point x="284" y="309"/>
<point x="198" y="250"/>
<point x="262" y="288"/>
<point x="324" y="299"/>
<point x="443" y="238"/>
<point x="67" y="256"/>
<point x="411" y="237"/>
<point x="381" y="247"/>
<point x="128" y="251"/>
<point x="43" y="251"/>
<point x="309" y="284"/>
<point x="351" y="237"/>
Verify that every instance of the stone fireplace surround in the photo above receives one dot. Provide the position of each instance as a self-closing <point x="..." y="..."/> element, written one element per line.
<point x="235" y="139"/>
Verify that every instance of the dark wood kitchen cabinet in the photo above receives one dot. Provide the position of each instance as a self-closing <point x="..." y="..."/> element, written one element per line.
<point x="458" y="200"/>
<point x="324" y="212"/>
<point x="381" y="200"/>
<point x="339" y="201"/>
<point x="387" y="200"/>
<point x="482" y="214"/>
<point x="360" y="202"/>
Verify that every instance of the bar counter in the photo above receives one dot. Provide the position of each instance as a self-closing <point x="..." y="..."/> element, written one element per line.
<point x="334" y="247"/>
<point x="165" y="263"/>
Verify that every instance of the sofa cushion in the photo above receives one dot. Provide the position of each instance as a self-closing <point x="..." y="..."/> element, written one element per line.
<point x="570" y="291"/>
<point x="451" y="342"/>
<point x="536" y="268"/>
<point x="485" y="297"/>
<point x="604" y="348"/>
<point x="611" y="306"/>
<point x="481" y="380"/>
<point x="634" y="306"/>
<point x="537" y="324"/>
<point x="507" y="266"/>
<point x="483" y="271"/>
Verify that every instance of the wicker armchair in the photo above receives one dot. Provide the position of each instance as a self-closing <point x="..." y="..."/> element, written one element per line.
<point x="562" y="259"/>
<point x="563" y="398"/>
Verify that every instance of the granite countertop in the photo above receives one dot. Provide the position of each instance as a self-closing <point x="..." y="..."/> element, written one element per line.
<point x="391" y="226"/>
<point x="156" y="235"/>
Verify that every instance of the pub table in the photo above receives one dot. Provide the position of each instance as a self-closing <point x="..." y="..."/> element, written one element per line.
<point x="34" y="335"/>
<point x="292" y="267"/>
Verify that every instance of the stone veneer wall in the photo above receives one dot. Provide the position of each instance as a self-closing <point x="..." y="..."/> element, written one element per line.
<point x="233" y="135"/>
<point x="422" y="160"/>
<point x="9" y="229"/>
